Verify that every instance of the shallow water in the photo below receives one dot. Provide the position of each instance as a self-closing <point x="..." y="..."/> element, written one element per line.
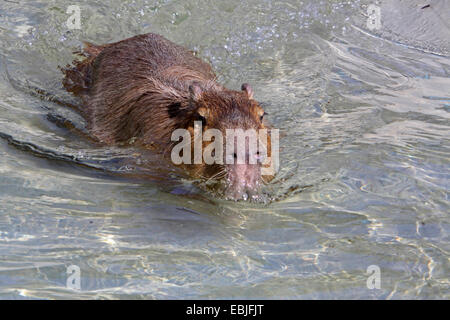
<point x="364" y="176"/>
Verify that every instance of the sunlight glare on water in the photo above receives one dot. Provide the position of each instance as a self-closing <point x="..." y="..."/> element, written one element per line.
<point x="364" y="151"/>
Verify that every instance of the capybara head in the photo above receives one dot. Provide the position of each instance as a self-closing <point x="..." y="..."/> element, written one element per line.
<point x="234" y="142"/>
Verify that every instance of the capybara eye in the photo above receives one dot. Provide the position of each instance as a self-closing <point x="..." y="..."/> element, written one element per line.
<point x="262" y="117"/>
<point x="202" y="119"/>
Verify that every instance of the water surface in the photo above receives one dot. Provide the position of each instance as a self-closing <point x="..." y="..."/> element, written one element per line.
<point x="364" y="176"/>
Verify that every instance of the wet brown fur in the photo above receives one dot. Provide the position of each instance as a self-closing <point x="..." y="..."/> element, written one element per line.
<point x="145" y="87"/>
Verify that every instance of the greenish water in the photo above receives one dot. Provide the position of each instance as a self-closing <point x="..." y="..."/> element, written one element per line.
<point x="365" y="167"/>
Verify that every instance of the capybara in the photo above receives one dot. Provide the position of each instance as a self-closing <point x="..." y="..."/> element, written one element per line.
<point x="143" y="88"/>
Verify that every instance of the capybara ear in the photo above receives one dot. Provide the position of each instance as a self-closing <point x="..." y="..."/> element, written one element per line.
<point x="246" y="87"/>
<point x="195" y="91"/>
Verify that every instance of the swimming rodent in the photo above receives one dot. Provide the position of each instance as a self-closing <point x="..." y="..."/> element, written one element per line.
<point x="143" y="88"/>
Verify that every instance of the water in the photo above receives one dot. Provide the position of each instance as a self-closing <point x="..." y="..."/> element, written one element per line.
<point x="365" y="147"/>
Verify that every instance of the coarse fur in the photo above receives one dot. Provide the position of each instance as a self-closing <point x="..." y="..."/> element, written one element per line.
<point x="145" y="87"/>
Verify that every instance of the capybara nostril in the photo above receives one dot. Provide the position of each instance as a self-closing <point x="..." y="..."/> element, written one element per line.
<point x="244" y="181"/>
